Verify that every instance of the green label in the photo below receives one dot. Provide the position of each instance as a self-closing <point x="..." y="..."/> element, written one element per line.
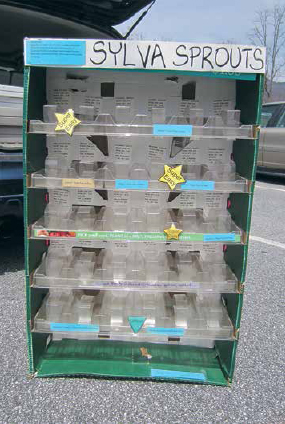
<point x="122" y="235"/>
<point x="108" y="235"/>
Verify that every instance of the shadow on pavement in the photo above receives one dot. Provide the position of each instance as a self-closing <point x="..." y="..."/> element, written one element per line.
<point x="271" y="178"/>
<point x="12" y="252"/>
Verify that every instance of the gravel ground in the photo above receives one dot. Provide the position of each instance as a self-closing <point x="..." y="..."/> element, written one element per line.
<point x="256" y="396"/>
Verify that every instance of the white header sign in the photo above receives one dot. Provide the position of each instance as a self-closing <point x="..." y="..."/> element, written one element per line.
<point x="145" y="55"/>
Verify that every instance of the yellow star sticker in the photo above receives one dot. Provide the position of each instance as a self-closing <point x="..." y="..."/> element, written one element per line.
<point x="172" y="233"/>
<point x="172" y="176"/>
<point x="66" y="122"/>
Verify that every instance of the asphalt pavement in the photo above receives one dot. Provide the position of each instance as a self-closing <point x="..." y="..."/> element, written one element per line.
<point x="257" y="393"/>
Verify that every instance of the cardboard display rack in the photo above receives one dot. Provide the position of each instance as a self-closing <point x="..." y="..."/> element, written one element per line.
<point x="139" y="172"/>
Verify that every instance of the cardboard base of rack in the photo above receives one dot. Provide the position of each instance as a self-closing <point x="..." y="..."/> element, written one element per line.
<point x="129" y="360"/>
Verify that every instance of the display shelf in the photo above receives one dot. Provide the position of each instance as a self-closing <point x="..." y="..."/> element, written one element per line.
<point x="128" y="151"/>
<point x="133" y="271"/>
<point x="85" y="222"/>
<point x="71" y="180"/>
<point x="69" y="202"/>
<point x="157" y="318"/>
<point x="138" y="176"/>
<point x="47" y="234"/>
<point x="105" y="125"/>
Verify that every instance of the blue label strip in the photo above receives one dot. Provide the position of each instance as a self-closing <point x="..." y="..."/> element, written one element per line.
<point x="165" y="331"/>
<point x="131" y="184"/>
<point x="172" y="130"/>
<point x="60" y="326"/>
<point x="219" y="237"/>
<point x="56" y="52"/>
<point x="198" y="376"/>
<point x="198" y="185"/>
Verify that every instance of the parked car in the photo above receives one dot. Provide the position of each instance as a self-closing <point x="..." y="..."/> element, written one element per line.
<point x="31" y="18"/>
<point x="11" y="193"/>
<point x="271" y="156"/>
<point x="11" y="159"/>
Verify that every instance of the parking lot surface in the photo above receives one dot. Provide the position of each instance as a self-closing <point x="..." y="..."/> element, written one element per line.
<point x="257" y="393"/>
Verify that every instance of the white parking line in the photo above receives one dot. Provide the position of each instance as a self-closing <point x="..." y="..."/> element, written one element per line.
<point x="269" y="242"/>
<point x="269" y="187"/>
